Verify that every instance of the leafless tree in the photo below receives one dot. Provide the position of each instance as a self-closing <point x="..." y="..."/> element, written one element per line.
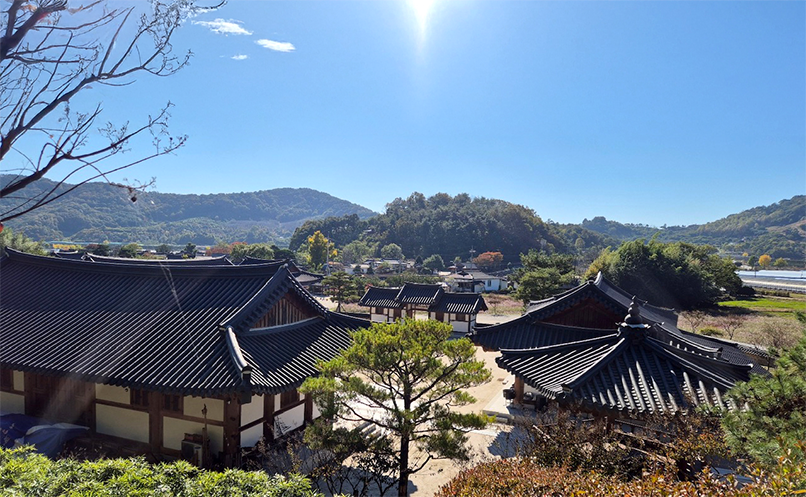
<point x="695" y="319"/>
<point x="50" y="52"/>
<point x="731" y="323"/>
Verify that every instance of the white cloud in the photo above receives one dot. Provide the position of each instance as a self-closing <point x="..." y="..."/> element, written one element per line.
<point x="239" y="57"/>
<point x="223" y="27"/>
<point x="277" y="46"/>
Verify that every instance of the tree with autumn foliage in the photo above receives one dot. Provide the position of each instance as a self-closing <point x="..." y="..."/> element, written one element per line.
<point x="319" y="249"/>
<point x="489" y="260"/>
<point x="764" y="261"/>
<point x="52" y="52"/>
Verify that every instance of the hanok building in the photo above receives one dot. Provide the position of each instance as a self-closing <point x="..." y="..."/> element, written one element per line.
<point x="154" y="356"/>
<point x="575" y="348"/>
<point x="457" y="309"/>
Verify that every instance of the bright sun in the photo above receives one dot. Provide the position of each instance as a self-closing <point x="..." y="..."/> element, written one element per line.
<point x="421" y="8"/>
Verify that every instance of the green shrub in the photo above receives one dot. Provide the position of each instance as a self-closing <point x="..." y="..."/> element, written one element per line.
<point x="710" y="331"/>
<point x="24" y="473"/>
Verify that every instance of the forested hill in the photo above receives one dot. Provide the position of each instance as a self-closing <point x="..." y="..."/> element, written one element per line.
<point x="97" y="211"/>
<point x="453" y="226"/>
<point x="778" y="230"/>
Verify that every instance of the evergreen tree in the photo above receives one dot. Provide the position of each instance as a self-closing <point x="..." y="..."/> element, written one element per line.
<point x="772" y="417"/>
<point x="411" y="376"/>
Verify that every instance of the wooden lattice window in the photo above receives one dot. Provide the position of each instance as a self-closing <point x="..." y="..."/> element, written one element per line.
<point x="440" y="316"/>
<point x="173" y="403"/>
<point x="138" y="398"/>
<point x="461" y="317"/>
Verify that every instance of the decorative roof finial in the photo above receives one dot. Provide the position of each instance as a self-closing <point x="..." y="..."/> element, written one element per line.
<point x="633" y="314"/>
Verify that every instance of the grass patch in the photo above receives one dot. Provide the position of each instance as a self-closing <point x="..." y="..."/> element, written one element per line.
<point x="776" y="305"/>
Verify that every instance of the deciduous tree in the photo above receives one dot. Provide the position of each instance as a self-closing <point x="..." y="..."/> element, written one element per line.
<point x="434" y="263"/>
<point x="764" y="261"/>
<point x="50" y="54"/>
<point x="489" y="260"/>
<point x="256" y="250"/>
<point x="392" y="251"/>
<point x="318" y="247"/>
<point x="406" y="378"/>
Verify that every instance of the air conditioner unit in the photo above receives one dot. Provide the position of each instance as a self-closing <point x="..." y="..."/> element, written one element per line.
<point x="192" y="452"/>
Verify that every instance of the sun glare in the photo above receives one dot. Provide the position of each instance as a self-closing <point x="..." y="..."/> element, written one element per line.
<point x="421" y="8"/>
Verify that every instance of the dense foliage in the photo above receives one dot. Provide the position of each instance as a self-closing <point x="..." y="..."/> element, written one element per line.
<point x="441" y="224"/>
<point x="413" y="376"/>
<point x="24" y="473"/>
<point x="18" y="241"/>
<point x="774" y="420"/>
<point x="678" y="275"/>
<point x="543" y="274"/>
<point x="98" y="211"/>
<point x="525" y="477"/>
<point x="777" y="229"/>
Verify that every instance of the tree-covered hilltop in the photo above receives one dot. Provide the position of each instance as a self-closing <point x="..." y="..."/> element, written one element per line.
<point x="99" y="211"/>
<point x="452" y="226"/>
<point x="778" y="229"/>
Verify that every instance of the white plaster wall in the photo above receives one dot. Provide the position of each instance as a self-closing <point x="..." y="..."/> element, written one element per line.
<point x="121" y="422"/>
<point x="12" y="403"/>
<point x="173" y="432"/>
<point x="289" y="420"/>
<point x="378" y="318"/>
<point x="112" y="393"/>
<point x="252" y="410"/>
<point x="250" y="437"/>
<point x="527" y="388"/>
<point x="19" y="380"/>
<point x="192" y="406"/>
<point x="316" y="412"/>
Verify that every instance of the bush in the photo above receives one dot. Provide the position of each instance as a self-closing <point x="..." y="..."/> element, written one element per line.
<point x="525" y="477"/>
<point x="25" y="473"/>
<point x="710" y="331"/>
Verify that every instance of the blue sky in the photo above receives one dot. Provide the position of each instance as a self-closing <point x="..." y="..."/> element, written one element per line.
<point x="644" y="112"/>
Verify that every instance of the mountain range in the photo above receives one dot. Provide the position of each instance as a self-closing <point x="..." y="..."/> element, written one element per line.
<point x="97" y="212"/>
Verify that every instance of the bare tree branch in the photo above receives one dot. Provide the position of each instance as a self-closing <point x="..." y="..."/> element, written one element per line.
<point x="49" y="53"/>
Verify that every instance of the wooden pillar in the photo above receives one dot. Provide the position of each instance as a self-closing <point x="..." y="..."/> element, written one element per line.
<point x="519" y="389"/>
<point x="232" y="432"/>
<point x="308" y="409"/>
<point x="155" y="438"/>
<point x="268" y="417"/>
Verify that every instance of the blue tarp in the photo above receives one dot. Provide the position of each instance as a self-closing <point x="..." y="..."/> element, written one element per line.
<point x="47" y="438"/>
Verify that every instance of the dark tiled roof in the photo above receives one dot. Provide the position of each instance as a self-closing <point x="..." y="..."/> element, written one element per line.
<point x="525" y="333"/>
<point x="633" y="370"/>
<point x="432" y="296"/>
<point x="147" y="326"/>
<point x="69" y="255"/>
<point x="419" y="294"/>
<point x="204" y="261"/>
<point x="287" y="354"/>
<point x="460" y="303"/>
<point x="380" y="297"/>
<point x="618" y="301"/>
